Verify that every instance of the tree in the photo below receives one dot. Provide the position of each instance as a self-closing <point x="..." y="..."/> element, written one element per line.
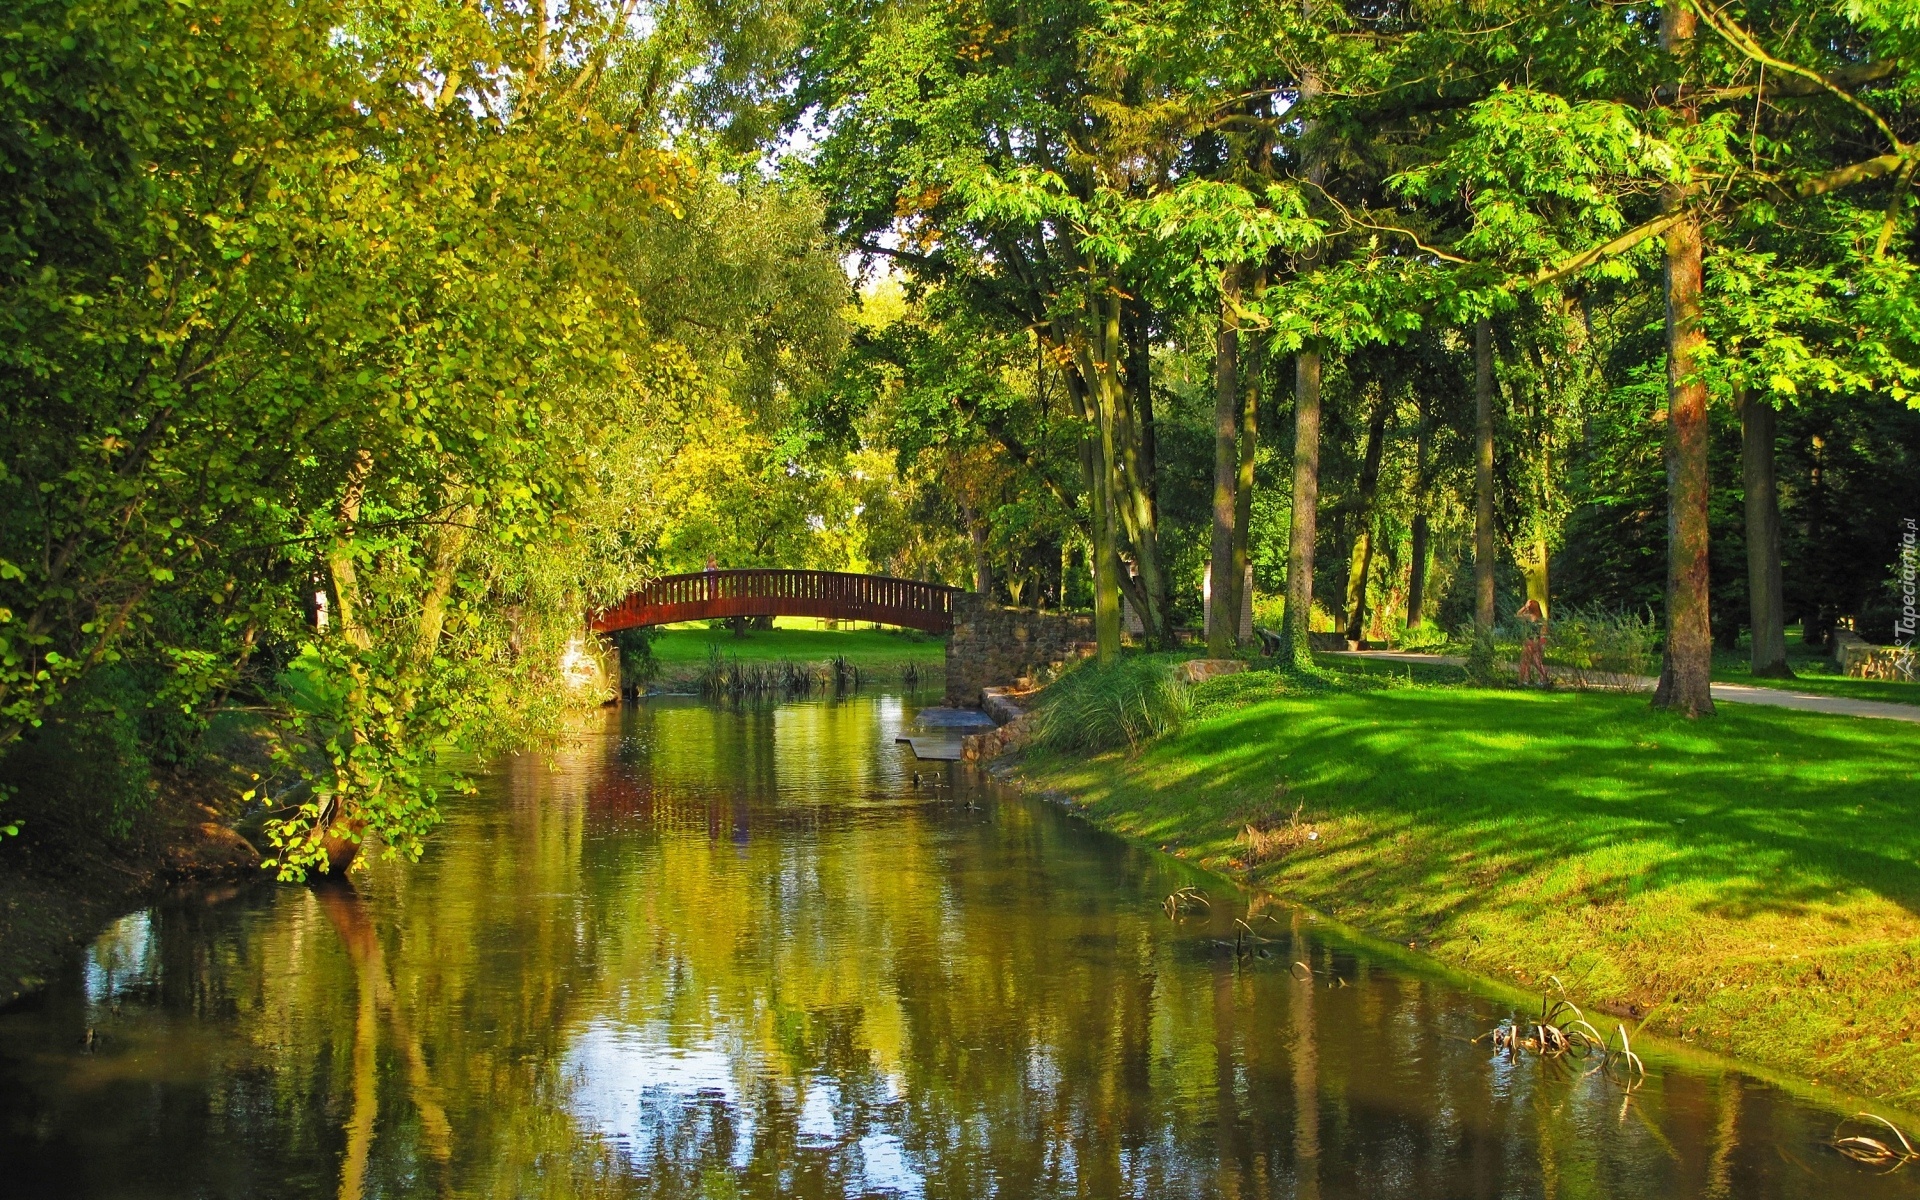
<point x="322" y="333"/>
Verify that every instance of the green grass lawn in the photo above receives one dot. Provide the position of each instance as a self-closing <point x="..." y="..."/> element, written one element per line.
<point x="1814" y="672"/>
<point x="1750" y="880"/>
<point x="683" y="649"/>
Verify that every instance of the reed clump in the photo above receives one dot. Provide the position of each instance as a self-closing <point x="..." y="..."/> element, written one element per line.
<point x="1103" y="706"/>
<point x="1561" y="1030"/>
<point x="1185" y="901"/>
<point x="727" y="677"/>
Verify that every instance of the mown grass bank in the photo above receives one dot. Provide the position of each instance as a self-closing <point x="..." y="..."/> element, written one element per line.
<point x="1750" y="883"/>
<point x="682" y="651"/>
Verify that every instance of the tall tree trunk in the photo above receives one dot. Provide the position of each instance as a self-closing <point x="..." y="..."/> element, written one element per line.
<point x="1533" y="567"/>
<point x="1483" y="614"/>
<point x="1417" y="570"/>
<point x="1361" y="565"/>
<point x="1139" y="337"/>
<point x="1337" y="536"/>
<point x="343" y="578"/>
<point x="1766" y="602"/>
<point x="982" y="568"/>
<point x="1103" y="558"/>
<point x="1359" y="569"/>
<point x="1296" y="649"/>
<point x="1103" y="561"/>
<point x="448" y="546"/>
<point x="1131" y="492"/>
<point x="1296" y="646"/>
<point x="1816" y="620"/>
<point x="1686" y="667"/>
<point x="1251" y="372"/>
<point x="340" y="823"/>
<point x="1223" y="608"/>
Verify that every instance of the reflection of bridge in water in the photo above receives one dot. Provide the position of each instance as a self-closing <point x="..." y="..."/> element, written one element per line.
<point x="836" y="595"/>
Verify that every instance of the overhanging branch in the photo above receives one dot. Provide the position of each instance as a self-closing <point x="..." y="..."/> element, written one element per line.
<point x="1847" y="176"/>
<point x="1593" y="254"/>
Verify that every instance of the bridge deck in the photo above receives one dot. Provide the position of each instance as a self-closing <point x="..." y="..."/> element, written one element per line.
<point x="837" y="595"/>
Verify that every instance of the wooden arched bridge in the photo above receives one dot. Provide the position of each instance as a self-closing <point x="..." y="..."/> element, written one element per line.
<point x="774" y="593"/>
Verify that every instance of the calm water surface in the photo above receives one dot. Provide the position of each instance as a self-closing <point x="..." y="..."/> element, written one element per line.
<point x="713" y="953"/>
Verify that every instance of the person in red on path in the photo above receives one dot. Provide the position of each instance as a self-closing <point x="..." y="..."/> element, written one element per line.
<point x="1533" y="645"/>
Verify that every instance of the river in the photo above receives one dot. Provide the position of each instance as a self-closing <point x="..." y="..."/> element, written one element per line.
<point x="711" y="952"/>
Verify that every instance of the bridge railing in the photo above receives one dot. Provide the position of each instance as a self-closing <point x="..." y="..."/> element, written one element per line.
<point x="758" y="592"/>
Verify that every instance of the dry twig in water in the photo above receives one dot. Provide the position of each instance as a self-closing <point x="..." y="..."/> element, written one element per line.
<point x="1873" y="1151"/>
<point x="1186" y="900"/>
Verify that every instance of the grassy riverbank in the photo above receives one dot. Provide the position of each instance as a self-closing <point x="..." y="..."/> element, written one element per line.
<point x="1750" y="883"/>
<point x="683" y="650"/>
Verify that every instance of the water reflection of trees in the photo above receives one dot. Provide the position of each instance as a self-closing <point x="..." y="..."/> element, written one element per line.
<point x="630" y="972"/>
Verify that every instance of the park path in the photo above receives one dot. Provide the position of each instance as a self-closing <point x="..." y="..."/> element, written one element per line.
<point x="1732" y="693"/>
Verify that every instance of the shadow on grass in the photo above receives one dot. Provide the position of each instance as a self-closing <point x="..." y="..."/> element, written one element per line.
<point x="1752" y="811"/>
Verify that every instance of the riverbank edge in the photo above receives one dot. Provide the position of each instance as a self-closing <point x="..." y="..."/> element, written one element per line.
<point x="59" y="891"/>
<point x="1008" y="767"/>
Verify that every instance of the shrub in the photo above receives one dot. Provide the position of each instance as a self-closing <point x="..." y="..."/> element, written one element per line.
<point x="1604" y="642"/>
<point x="637" y="661"/>
<point x="1426" y="638"/>
<point x="1127" y="702"/>
<point x="1481" y="657"/>
<point x="87" y="769"/>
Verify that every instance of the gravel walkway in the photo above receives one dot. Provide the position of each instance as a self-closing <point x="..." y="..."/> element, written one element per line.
<point x="1732" y="693"/>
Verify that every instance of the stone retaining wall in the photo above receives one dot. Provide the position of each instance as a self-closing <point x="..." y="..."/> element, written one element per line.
<point x="1862" y="659"/>
<point x="992" y="645"/>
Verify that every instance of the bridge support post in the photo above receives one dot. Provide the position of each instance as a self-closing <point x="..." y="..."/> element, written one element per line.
<point x="992" y="646"/>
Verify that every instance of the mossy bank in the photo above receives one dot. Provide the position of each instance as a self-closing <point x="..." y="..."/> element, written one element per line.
<point x="103" y="829"/>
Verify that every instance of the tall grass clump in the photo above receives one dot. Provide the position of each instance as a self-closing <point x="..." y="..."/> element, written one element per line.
<point x="1095" y="706"/>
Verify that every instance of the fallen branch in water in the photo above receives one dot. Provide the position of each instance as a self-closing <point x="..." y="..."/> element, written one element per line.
<point x="1874" y="1152"/>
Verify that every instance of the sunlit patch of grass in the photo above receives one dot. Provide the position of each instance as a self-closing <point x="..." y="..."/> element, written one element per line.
<point x="1752" y="880"/>
<point x="683" y="651"/>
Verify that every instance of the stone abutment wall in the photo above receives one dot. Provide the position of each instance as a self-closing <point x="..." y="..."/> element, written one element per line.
<point x="991" y="645"/>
